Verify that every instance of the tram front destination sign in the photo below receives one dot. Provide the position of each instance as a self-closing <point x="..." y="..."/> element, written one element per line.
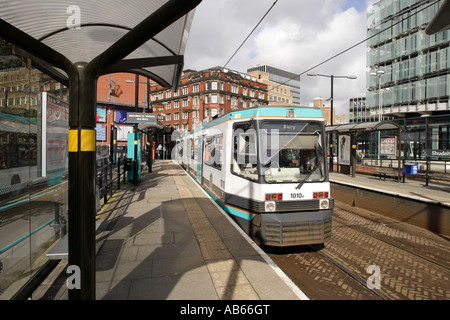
<point x="133" y="117"/>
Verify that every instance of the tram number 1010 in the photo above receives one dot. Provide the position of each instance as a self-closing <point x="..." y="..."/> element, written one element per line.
<point x="297" y="195"/>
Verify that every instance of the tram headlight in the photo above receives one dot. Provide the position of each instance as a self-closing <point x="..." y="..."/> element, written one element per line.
<point x="270" y="206"/>
<point x="324" y="204"/>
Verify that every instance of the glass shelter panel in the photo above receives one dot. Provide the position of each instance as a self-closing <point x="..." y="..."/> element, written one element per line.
<point x="33" y="168"/>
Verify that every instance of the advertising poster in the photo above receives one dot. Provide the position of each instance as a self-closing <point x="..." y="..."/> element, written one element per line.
<point x="388" y="146"/>
<point x="122" y="132"/>
<point x="101" y="114"/>
<point x="344" y="150"/>
<point x="100" y="131"/>
<point x="121" y="116"/>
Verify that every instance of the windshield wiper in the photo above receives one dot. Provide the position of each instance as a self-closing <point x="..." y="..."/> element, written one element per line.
<point x="306" y="177"/>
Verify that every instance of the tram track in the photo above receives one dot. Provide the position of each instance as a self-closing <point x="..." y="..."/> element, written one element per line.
<point x="405" y="246"/>
<point x="412" y="263"/>
<point x="350" y="273"/>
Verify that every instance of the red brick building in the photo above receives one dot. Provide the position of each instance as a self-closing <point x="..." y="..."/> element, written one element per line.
<point x="205" y="94"/>
<point x="115" y="98"/>
<point x="200" y="95"/>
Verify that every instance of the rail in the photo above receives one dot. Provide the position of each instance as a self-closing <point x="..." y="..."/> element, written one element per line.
<point x="108" y="176"/>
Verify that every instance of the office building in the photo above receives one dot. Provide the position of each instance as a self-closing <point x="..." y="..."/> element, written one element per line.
<point x="278" y="94"/>
<point x="358" y="111"/>
<point x="408" y="70"/>
<point x="282" y="77"/>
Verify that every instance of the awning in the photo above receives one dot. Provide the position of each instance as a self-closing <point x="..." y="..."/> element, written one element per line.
<point x="61" y="31"/>
<point x="365" y="126"/>
<point x="143" y="126"/>
<point x="441" y="20"/>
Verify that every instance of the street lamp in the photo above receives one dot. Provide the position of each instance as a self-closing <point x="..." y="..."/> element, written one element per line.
<point x="332" y="77"/>
<point x="378" y="75"/>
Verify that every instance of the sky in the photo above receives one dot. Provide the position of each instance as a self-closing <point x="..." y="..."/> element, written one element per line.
<point x="295" y="36"/>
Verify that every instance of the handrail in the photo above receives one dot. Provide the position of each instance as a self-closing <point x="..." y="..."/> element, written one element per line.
<point x="108" y="176"/>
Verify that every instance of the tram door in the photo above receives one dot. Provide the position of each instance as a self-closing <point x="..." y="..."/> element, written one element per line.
<point x="200" y="146"/>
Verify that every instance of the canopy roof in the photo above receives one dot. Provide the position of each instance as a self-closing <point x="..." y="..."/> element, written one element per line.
<point x="365" y="126"/>
<point x="62" y="31"/>
<point x="441" y="20"/>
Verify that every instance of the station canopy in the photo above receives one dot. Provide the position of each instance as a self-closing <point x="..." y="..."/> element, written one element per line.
<point x="80" y="31"/>
<point x="441" y="20"/>
<point x="365" y="126"/>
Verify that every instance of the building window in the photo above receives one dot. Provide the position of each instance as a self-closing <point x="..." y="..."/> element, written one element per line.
<point x="195" y="101"/>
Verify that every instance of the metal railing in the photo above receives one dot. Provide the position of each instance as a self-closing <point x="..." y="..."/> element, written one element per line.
<point x="109" y="176"/>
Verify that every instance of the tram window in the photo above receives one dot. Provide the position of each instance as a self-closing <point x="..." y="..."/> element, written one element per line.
<point x="244" y="162"/>
<point x="294" y="152"/>
<point x="213" y="151"/>
<point x="192" y="149"/>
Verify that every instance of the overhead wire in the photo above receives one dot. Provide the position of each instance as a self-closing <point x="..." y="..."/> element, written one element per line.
<point x="250" y="33"/>
<point x="355" y="45"/>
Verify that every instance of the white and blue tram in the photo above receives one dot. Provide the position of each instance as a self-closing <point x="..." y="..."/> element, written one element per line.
<point x="266" y="167"/>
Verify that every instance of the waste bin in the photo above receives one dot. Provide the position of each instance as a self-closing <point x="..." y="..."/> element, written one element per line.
<point x="411" y="168"/>
<point x="128" y="165"/>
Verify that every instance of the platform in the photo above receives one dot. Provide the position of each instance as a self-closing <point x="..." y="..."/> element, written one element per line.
<point x="411" y="201"/>
<point x="414" y="188"/>
<point x="166" y="240"/>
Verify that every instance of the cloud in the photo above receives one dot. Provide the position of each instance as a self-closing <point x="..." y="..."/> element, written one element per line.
<point x="294" y="36"/>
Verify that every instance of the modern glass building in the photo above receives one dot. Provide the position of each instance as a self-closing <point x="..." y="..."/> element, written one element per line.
<point x="408" y="70"/>
<point x="283" y="77"/>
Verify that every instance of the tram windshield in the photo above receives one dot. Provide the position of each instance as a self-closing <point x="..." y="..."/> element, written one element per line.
<point x="292" y="151"/>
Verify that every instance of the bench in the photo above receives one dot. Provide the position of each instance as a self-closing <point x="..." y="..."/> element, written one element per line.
<point x="61" y="249"/>
<point x="384" y="173"/>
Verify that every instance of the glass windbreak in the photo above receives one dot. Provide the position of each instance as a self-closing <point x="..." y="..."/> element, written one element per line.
<point x="292" y="151"/>
<point x="33" y="168"/>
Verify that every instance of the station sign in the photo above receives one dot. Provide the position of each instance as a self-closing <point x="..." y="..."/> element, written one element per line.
<point x="134" y="117"/>
<point x="436" y="153"/>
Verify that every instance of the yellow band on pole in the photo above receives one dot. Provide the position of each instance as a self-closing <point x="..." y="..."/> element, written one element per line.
<point x="87" y="140"/>
<point x="73" y="140"/>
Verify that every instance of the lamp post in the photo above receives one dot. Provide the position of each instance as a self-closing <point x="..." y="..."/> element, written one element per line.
<point x="332" y="77"/>
<point x="378" y="74"/>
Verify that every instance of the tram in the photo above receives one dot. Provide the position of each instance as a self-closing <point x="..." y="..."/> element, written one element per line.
<point x="266" y="168"/>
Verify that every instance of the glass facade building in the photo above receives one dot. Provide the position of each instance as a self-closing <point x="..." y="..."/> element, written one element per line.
<point x="408" y="69"/>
